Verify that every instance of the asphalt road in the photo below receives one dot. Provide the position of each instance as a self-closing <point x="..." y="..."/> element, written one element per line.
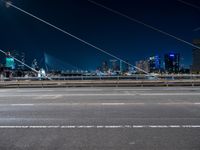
<point x="100" y="119"/>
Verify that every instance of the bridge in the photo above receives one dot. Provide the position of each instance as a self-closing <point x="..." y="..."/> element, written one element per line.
<point x="141" y="112"/>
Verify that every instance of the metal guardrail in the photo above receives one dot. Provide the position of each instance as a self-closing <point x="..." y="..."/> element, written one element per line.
<point x="133" y="77"/>
<point x="102" y="81"/>
<point x="96" y="83"/>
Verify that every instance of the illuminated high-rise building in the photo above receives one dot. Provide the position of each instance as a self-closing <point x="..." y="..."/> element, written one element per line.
<point x="172" y="62"/>
<point x="10" y="62"/>
<point x="123" y="67"/>
<point x="154" y="63"/>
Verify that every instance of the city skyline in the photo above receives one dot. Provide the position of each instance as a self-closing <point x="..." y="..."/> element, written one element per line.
<point x="119" y="36"/>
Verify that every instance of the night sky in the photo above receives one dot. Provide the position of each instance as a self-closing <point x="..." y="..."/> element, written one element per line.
<point x="113" y="33"/>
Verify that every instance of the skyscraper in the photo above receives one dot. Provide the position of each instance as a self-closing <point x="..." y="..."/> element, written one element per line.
<point x="155" y="64"/>
<point x="196" y="58"/>
<point x="114" y="65"/>
<point x="172" y="62"/>
<point x="10" y="62"/>
<point x="104" y="67"/>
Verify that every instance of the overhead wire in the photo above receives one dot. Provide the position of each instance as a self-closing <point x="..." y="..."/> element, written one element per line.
<point x="189" y="4"/>
<point x="142" y="23"/>
<point x="193" y="6"/>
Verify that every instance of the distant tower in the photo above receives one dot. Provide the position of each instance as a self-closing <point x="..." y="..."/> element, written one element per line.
<point x="154" y="64"/>
<point x="113" y="64"/>
<point x="172" y="62"/>
<point x="10" y="62"/>
<point x="105" y="66"/>
<point x="121" y="66"/>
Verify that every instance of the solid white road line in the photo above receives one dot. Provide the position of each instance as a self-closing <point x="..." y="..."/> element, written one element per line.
<point x="94" y="104"/>
<point x="101" y="127"/>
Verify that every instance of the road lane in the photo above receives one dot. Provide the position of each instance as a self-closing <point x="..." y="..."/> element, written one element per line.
<point x="100" y="118"/>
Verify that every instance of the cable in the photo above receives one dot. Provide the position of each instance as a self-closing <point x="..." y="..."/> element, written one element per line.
<point x="193" y="6"/>
<point x="189" y="4"/>
<point x="75" y="37"/>
<point x="142" y="23"/>
<point x="196" y="29"/>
